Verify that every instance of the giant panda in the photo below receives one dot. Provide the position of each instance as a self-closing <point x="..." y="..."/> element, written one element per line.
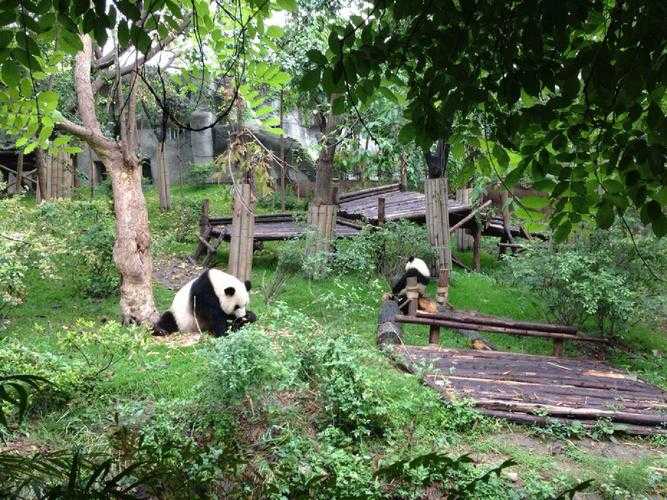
<point x="415" y="267"/>
<point x="212" y="302"/>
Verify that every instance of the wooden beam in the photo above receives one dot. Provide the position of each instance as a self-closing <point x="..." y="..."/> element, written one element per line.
<point x="381" y="206"/>
<point x="469" y="216"/>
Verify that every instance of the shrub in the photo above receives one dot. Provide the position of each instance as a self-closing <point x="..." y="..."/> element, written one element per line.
<point x="95" y="249"/>
<point x="385" y="249"/>
<point x="187" y="214"/>
<point x="201" y="173"/>
<point x="244" y="364"/>
<point x="597" y="277"/>
<point x="304" y="256"/>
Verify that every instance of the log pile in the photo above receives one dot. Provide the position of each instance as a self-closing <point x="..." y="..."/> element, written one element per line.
<point x="541" y="389"/>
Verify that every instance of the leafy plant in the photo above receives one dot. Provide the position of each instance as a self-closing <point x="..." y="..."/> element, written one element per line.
<point x="384" y="250"/>
<point x="14" y="391"/>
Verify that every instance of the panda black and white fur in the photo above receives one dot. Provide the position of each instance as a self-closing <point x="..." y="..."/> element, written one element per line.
<point x="212" y="302"/>
<point x="415" y="267"/>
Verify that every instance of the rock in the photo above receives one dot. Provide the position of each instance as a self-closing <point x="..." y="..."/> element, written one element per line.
<point x="512" y="476"/>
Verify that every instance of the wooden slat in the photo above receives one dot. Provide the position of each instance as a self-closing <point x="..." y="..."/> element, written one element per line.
<point x="517" y="386"/>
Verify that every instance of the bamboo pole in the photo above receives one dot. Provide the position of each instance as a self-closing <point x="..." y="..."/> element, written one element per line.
<point x="469" y="216"/>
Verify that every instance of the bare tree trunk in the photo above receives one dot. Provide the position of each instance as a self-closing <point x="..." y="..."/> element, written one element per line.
<point x="132" y="247"/>
<point x="163" y="179"/>
<point x="283" y="167"/>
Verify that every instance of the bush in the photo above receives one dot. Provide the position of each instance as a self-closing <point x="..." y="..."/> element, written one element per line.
<point x="244" y="364"/>
<point x="201" y="173"/>
<point x="385" y="249"/>
<point x="187" y="214"/>
<point x="303" y="256"/>
<point x="597" y="277"/>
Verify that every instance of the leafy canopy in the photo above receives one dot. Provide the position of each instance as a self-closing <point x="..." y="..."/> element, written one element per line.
<point x="576" y="88"/>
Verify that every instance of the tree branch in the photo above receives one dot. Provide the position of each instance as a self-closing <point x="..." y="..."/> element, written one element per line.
<point x="84" y="89"/>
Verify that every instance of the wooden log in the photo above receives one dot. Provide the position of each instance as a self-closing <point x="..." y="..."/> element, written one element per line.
<point x="494" y="329"/>
<point x="476" y="249"/>
<point x="242" y="233"/>
<point x="381" y="207"/>
<point x="458" y="262"/>
<point x="412" y="293"/>
<point x="389" y="331"/>
<point x="363" y="193"/>
<point x="469" y="216"/>
<point x="19" y="173"/>
<point x="464" y="240"/>
<point x="525" y="418"/>
<point x="580" y="413"/>
<point x="442" y="296"/>
<point x="474" y="317"/>
<point x="434" y="334"/>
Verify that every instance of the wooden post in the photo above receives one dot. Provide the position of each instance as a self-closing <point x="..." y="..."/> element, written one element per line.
<point x="437" y="219"/>
<point x="412" y="293"/>
<point x="476" y="248"/>
<point x="381" y="212"/>
<point x="558" y="347"/>
<point x="242" y="233"/>
<point x="19" y="173"/>
<point x="404" y="172"/>
<point x="442" y="297"/>
<point x="464" y="240"/>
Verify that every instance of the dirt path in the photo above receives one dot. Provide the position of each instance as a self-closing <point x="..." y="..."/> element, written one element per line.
<point x="173" y="272"/>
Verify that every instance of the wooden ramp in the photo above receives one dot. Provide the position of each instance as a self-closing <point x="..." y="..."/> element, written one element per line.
<point x="267" y="230"/>
<point x="539" y="389"/>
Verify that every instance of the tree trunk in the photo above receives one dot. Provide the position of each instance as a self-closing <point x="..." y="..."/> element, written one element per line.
<point x="131" y="251"/>
<point x="163" y="178"/>
<point x="324" y="172"/>
<point x="132" y="247"/>
<point x="283" y="167"/>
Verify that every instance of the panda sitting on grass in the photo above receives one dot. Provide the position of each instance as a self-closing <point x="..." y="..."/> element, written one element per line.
<point x="416" y="268"/>
<point x="213" y="302"/>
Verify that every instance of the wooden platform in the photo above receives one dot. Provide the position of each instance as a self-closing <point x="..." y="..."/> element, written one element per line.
<point x="539" y="389"/>
<point x="410" y="205"/>
<point x="279" y="230"/>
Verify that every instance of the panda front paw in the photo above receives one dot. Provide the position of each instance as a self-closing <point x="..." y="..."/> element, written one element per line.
<point x="238" y="323"/>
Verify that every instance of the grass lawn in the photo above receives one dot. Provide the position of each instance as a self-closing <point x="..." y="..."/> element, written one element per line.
<point x="151" y="381"/>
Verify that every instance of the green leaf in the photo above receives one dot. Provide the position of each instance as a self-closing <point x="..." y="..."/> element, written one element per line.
<point x="311" y="79"/>
<point x="605" y="214"/>
<point x="48" y="99"/>
<point x="123" y="33"/>
<point x="317" y="57"/>
<point x="407" y="133"/>
<point x="11" y="73"/>
<point x="563" y="231"/>
<point x="515" y="174"/>
<point x="386" y="91"/>
<point x="501" y="155"/>
<point x="338" y="106"/>
<point x="289" y="5"/>
<point x="659" y="226"/>
<point x="6" y="38"/>
<point x="275" y="31"/>
<point x="661" y="196"/>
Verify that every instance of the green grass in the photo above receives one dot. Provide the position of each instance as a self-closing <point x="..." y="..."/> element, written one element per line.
<point x="162" y="379"/>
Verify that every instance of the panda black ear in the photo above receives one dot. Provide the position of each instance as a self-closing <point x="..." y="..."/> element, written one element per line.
<point x="411" y="258"/>
<point x="248" y="285"/>
<point x="229" y="291"/>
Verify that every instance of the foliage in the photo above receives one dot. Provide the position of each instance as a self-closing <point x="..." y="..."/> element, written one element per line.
<point x="201" y="173"/>
<point x="304" y="255"/>
<point x="384" y="250"/>
<point x="242" y="365"/>
<point x="14" y="392"/>
<point x="597" y="276"/>
<point x="560" y="84"/>
<point x="187" y="214"/>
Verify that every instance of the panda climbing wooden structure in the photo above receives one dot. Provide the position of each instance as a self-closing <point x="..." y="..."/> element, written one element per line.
<point x="213" y="302"/>
<point x="417" y="268"/>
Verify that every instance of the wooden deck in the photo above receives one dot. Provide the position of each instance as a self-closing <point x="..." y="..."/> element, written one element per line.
<point x="538" y="389"/>
<point x="279" y="230"/>
<point x="409" y="205"/>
